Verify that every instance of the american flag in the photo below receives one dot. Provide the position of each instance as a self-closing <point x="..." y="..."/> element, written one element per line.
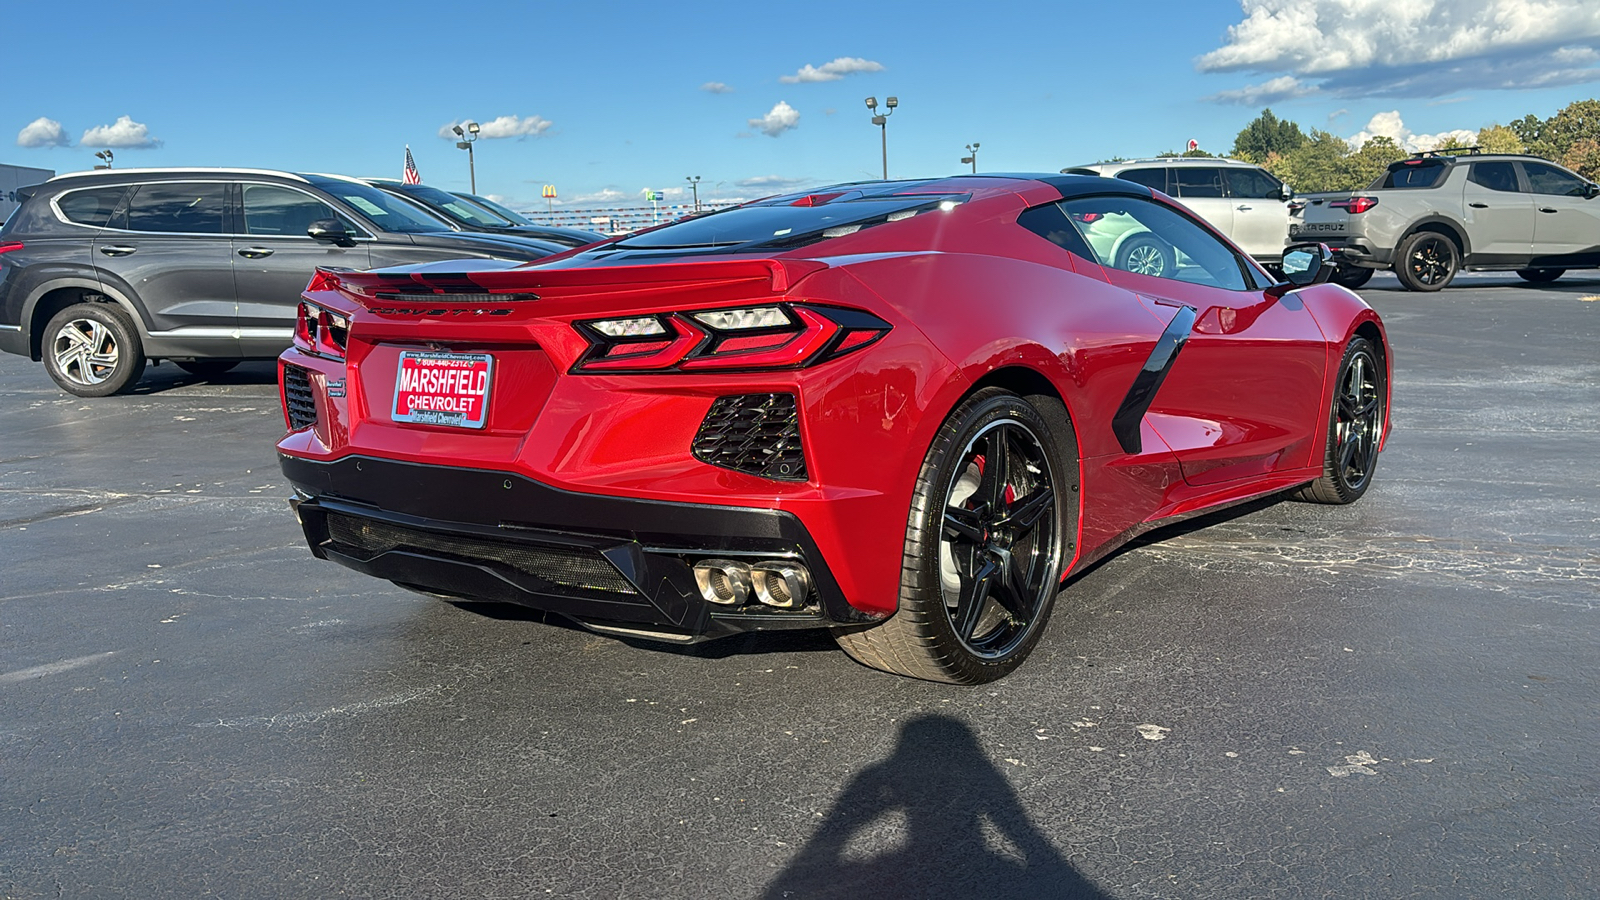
<point x="410" y="176"/>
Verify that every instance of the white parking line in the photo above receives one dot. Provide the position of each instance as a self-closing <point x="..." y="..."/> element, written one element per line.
<point x="55" y="667"/>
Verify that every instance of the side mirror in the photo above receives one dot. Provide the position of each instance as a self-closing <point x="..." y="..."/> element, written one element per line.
<point x="1591" y="191"/>
<point x="1285" y="192"/>
<point x="330" y="231"/>
<point x="1304" y="265"/>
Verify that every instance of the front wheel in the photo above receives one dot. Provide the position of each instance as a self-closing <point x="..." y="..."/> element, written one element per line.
<point x="1355" y="427"/>
<point x="1427" y="261"/>
<point x="984" y="545"/>
<point x="1540" y="276"/>
<point x="93" y="350"/>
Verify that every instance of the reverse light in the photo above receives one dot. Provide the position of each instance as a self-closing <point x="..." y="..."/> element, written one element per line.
<point x="1354" y="204"/>
<point x="781" y="336"/>
<point x="744" y="319"/>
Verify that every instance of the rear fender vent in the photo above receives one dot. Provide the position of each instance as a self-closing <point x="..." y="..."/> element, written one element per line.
<point x="754" y="433"/>
<point x="298" y="401"/>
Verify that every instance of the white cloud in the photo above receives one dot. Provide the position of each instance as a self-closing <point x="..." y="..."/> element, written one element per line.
<point x="1389" y="125"/>
<point x="716" y="87"/>
<point x="43" y="132"/>
<point x="782" y="118"/>
<point x="1284" y="87"/>
<point x="125" y="133"/>
<point x="502" y="127"/>
<point x="831" y="71"/>
<point x="1360" y="48"/>
<point x="775" y="182"/>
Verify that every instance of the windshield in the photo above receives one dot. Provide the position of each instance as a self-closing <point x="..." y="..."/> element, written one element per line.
<point x="388" y="212"/>
<point x="510" y="215"/>
<point x="455" y="207"/>
<point x="784" y="223"/>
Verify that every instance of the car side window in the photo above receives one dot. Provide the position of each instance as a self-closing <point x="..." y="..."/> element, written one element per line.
<point x="1496" y="176"/>
<point x="1155" y="179"/>
<point x="273" y="210"/>
<point x="1050" y="222"/>
<point x="1545" y="179"/>
<point x="1150" y="238"/>
<point x="1253" y="184"/>
<point x="1197" y="181"/>
<point x="93" y="206"/>
<point x="178" y="207"/>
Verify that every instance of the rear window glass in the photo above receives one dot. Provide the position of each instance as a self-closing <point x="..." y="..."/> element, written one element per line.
<point x="93" y="206"/>
<point x="782" y="224"/>
<point x="1496" y="176"/>
<point x="178" y="207"/>
<point x="1414" y="174"/>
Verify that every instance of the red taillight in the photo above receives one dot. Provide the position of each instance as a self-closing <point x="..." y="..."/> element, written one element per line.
<point x="1355" y="204"/>
<point x="319" y="331"/>
<point x="8" y="246"/>
<point x="784" y="336"/>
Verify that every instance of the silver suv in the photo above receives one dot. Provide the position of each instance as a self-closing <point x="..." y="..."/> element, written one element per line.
<point x="1433" y="215"/>
<point x="1245" y="202"/>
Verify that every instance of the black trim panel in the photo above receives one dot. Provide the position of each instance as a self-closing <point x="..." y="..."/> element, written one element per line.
<point x="1125" y="424"/>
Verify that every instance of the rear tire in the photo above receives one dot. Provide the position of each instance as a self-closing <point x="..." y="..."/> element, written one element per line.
<point x="1427" y="261"/>
<point x="1352" y="277"/>
<point x="989" y="524"/>
<point x="1147" y="254"/>
<point x="1356" y="424"/>
<point x="207" y="368"/>
<point x="1540" y="276"/>
<point x="93" y="350"/>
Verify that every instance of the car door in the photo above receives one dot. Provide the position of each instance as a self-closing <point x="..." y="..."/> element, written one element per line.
<point x="167" y="247"/>
<point x="1498" y="214"/>
<point x="1260" y="215"/>
<point x="1243" y="398"/>
<point x="1201" y="189"/>
<point x="1566" y="225"/>
<point x="273" y="260"/>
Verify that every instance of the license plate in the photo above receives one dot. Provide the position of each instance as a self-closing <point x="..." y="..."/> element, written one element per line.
<point x="433" y="388"/>
<point x="1317" y="228"/>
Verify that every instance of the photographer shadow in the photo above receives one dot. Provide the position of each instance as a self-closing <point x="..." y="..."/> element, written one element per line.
<point x="964" y="832"/>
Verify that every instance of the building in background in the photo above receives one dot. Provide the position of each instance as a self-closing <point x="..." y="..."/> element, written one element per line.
<point x="13" y="177"/>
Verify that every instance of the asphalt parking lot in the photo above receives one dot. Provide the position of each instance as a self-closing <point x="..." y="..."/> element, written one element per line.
<point x="1393" y="699"/>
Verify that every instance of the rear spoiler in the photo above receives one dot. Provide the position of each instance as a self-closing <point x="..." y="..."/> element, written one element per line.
<point x="778" y="276"/>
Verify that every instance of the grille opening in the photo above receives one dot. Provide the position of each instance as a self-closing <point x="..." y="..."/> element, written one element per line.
<point x="299" y="402"/>
<point x="754" y="433"/>
<point x="561" y="567"/>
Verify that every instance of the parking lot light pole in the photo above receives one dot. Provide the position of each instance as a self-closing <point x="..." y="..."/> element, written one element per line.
<point x="107" y="156"/>
<point x="882" y="121"/>
<point x="467" y="137"/>
<point x="972" y="156"/>
<point x="694" y="183"/>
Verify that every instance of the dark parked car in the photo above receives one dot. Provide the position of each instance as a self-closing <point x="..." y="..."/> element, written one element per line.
<point x="102" y="271"/>
<point x="471" y="215"/>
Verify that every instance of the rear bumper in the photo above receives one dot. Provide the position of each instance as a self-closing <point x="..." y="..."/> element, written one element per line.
<point x="498" y="536"/>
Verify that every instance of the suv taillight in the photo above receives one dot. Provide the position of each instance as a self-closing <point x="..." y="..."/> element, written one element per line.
<point x="1355" y="204"/>
<point x="8" y="246"/>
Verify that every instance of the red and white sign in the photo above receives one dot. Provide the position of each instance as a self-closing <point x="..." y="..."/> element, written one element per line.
<point x="433" y="388"/>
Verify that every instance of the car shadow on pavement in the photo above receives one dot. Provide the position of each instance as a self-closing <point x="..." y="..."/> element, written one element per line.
<point x="163" y="378"/>
<point x="935" y="819"/>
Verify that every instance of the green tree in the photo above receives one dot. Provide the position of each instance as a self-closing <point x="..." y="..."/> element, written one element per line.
<point x="1313" y="166"/>
<point x="1583" y="157"/>
<point x="1577" y="121"/>
<point x="1362" y="167"/>
<point x="1265" y="135"/>
<point x="1500" y="139"/>
<point x="1193" y="154"/>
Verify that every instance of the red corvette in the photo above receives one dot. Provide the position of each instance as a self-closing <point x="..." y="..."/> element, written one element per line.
<point x="904" y="411"/>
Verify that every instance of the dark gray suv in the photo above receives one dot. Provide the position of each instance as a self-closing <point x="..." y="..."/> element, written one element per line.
<point x="102" y="271"/>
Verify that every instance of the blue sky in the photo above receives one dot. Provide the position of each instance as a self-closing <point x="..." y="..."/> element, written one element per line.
<point x="605" y="100"/>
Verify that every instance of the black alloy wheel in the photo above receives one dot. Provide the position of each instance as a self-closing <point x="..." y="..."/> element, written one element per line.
<point x="984" y="545"/>
<point x="1540" y="276"/>
<point x="1355" y="427"/>
<point x="1427" y="261"/>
